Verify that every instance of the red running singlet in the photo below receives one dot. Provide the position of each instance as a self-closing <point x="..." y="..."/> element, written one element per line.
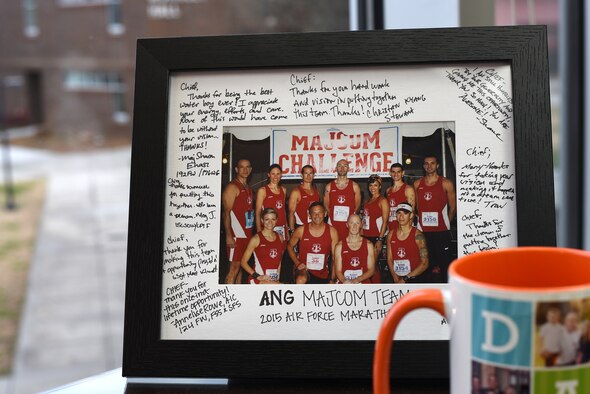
<point x="302" y="208"/>
<point x="406" y="255"/>
<point x="372" y="219"/>
<point x="277" y="201"/>
<point x="341" y="206"/>
<point x="314" y="251"/>
<point x="267" y="257"/>
<point x="354" y="262"/>
<point x="242" y="212"/>
<point x="394" y="198"/>
<point x="432" y="207"/>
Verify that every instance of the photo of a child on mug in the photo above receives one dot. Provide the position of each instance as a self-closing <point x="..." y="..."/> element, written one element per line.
<point x="563" y="333"/>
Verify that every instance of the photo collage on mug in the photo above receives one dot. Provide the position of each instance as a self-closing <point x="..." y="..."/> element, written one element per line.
<point x="558" y="359"/>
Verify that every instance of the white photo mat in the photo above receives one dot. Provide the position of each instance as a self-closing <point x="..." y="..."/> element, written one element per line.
<point x="476" y="98"/>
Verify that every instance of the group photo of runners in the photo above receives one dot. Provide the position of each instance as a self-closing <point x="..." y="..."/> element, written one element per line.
<point x="396" y="228"/>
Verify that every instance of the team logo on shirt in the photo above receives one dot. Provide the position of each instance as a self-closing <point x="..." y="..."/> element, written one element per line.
<point x="279" y="204"/>
<point x="316" y="248"/>
<point x="273" y="253"/>
<point x="428" y="196"/>
<point x="401" y="252"/>
<point x="249" y="200"/>
<point x="355" y="261"/>
<point x="392" y="203"/>
<point x="341" y="199"/>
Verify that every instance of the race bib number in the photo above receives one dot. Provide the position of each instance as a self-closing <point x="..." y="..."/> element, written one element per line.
<point x="341" y="213"/>
<point x="366" y="222"/>
<point x="249" y="219"/>
<point x="392" y="217"/>
<point x="401" y="267"/>
<point x="315" y="261"/>
<point x="430" y="219"/>
<point x="280" y="230"/>
<point x="352" y="274"/>
<point x="273" y="274"/>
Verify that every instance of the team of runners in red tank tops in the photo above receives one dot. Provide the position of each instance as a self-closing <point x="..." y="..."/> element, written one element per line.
<point x="314" y="253"/>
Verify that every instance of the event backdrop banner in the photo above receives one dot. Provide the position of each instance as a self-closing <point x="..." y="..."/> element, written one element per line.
<point x="369" y="149"/>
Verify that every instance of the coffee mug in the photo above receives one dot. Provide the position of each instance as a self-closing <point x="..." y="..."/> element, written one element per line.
<point x="519" y="321"/>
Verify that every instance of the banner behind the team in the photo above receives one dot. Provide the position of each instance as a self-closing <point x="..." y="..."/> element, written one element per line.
<point x="370" y="149"/>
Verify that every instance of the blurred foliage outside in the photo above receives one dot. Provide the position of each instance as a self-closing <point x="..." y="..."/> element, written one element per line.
<point x="18" y="230"/>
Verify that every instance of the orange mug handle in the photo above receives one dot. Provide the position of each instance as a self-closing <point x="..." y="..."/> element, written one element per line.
<point x="423" y="298"/>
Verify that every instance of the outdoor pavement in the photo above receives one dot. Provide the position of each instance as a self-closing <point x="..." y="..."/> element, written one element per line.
<point x="72" y="321"/>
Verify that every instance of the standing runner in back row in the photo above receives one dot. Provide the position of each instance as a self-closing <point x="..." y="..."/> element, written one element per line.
<point x="342" y="198"/>
<point x="375" y="215"/>
<point x="273" y="196"/>
<point x="301" y="198"/>
<point x="436" y="205"/>
<point x="238" y="218"/>
<point x="398" y="192"/>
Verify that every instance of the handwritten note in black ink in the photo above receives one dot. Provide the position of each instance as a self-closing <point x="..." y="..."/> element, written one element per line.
<point x="483" y="234"/>
<point x="485" y="91"/>
<point x="316" y="98"/>
<point x="489" y="185"/>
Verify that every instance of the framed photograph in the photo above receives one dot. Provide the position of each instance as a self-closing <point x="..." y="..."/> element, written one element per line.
<point x="220" y="121"/>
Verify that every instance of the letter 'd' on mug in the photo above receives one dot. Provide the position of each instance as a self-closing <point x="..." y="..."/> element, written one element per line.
<point x="501" y="330"/>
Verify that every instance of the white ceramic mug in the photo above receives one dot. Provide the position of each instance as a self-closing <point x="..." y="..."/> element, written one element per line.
<point x="519" y="318"/>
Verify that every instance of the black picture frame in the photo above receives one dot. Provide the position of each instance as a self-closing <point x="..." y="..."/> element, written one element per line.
<point x="145" y="354"/>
